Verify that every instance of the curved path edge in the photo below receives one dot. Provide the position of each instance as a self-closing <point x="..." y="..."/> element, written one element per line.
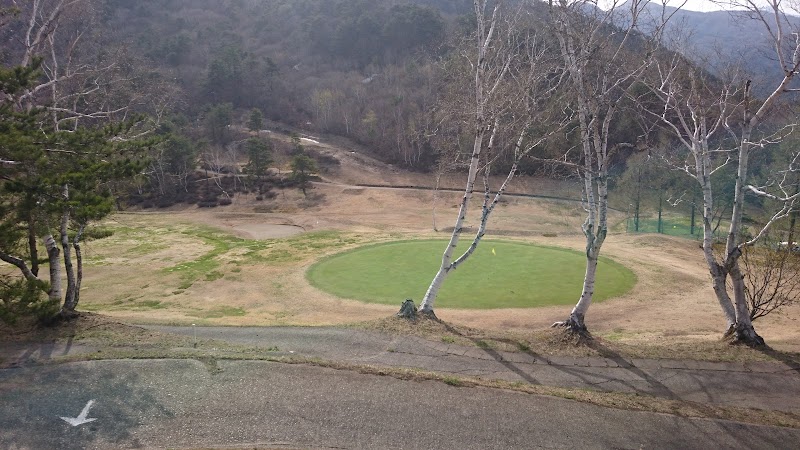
<point x="761" y="385"/>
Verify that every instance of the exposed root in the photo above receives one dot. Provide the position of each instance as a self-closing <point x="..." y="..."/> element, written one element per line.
<point x="744" y="335"/>
<point x="564" y="336"/>
<point x="409" y="311"/>
<point x="63" y="316"/>
<point x="427" y="311"/>
<point x="429" y="315"/>
<point x="575" y="326"/>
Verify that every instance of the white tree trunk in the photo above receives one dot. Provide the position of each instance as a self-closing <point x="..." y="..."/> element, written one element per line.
<point x="55" y="268"/>
<point x="596" y="95"/>
<point x="482" y="95"/>
<point x="718" y="273"/>
<point x="744" y="330"/>
<point x="695" y="115"/>
<point x="578" y="314"/>
<point x="444" y="269"/>
<point x="494" y="58"/>
<point x="488" y="207"/>
<point x="69" y="298"/>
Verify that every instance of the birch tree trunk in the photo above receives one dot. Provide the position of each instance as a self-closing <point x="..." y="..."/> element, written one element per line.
<point x="486" y="35"/>
<point x="718" y="273"/>
<point x="513" y="78"/>
<point x="69" y="299"/>
<point x="55" y="268"/>
<point x="698" y="114"/>
<point x="446" y="267"/>
<point x="600" y="75"/>
<point x="576" y="322"/>
<point x="489" y="204"/>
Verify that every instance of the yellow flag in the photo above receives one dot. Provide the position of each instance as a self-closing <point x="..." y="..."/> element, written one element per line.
<point x="494" y="253"/>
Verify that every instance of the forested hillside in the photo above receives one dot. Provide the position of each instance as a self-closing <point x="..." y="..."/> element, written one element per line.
<point x="390" y="75"/>
<point x="368" y="70"/>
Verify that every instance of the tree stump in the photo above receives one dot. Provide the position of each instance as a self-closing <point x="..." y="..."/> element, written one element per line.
<point x="408" y="310"/>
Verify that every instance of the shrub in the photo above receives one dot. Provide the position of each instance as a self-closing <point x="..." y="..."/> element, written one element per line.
<point x="97" y="233"/>
<point x="23" y="298"/>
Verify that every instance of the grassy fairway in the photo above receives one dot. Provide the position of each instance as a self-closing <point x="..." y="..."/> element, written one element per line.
<point x="499" y="275"/>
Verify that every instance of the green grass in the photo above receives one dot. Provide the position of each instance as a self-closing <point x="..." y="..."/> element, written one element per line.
<point x="222" y="311"/>
<point x="513" y="276"/>
<point x="452" y="381"/>
<point x="672" y="226"/>
<point x="208" y="266"/>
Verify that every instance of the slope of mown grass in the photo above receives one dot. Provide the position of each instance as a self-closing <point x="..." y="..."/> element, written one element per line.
<point x="498" y="275"/>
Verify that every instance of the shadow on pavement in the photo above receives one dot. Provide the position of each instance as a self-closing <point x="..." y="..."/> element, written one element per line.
<point x="30" y="416"/>
<point x="791" y="360"/>
<point x="590" y="378"/>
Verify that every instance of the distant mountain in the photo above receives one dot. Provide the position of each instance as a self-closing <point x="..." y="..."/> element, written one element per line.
<point x="719" y="38"/>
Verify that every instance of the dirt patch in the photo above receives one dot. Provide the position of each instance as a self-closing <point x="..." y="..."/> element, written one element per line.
<point x="266" y="231"/>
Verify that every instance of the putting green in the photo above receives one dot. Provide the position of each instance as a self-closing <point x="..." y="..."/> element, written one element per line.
<point x="498" y="275"/>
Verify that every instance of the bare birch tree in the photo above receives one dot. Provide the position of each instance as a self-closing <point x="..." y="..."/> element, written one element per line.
<point x="597" y="47"/>
<point x="718" y="121"/>
<point x="512" y="78"/>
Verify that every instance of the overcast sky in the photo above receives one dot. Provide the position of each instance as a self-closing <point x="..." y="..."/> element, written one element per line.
<point x="696" y="5"/>
<point x="700" y="5"/>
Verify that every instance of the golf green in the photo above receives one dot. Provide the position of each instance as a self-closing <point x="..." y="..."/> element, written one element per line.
<point x="499" y="274"/>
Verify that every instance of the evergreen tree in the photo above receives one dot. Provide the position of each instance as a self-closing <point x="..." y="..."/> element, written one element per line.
<point x="53" y="183"/>
<point x="256" y="120"/>
<point x="303" y="166"/>
<point x="259" y="153"/>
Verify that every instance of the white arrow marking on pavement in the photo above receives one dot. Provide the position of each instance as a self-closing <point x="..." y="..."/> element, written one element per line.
<point x="81" y="419"/>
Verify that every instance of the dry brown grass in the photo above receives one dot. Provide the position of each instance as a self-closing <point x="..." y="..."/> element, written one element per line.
<point x="671" y="304"/>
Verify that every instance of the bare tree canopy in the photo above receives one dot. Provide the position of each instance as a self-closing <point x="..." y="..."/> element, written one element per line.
<point x="718" y="122"/>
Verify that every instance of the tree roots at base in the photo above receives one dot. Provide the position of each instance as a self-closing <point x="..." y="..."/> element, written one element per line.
<point x="743" y="335"/>
<point x="409" y="311"/>
<point x="575" y="326"/>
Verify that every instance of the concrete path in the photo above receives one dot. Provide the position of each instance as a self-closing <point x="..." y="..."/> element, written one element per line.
<point x="771" y="386"/>
<point x="250" y="404"/>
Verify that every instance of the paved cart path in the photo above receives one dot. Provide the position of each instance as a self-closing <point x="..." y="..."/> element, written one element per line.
<point x="773" y="386"/>
<point x="256" y="404"/>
